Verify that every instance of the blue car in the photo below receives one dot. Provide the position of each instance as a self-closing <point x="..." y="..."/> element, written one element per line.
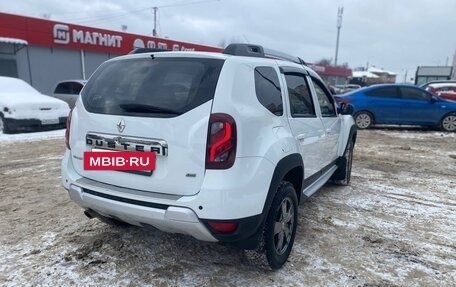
<point x="392" y="104"/>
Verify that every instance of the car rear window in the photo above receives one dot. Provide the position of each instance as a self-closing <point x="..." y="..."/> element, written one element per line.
<point x="152" y="87"/>
<point x="267" y="89"/>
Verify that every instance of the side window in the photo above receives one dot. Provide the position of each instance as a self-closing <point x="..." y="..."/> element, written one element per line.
<point x="446" y="89"/>
<point x="267" y="88"/>
<point x="301" y="104"/>
<point x="62" y="88"/>
<point x="387" y="92"/>
<point x="76" y="88"/>
<point x="324" y="99"/>
<point x="414" y="94"/>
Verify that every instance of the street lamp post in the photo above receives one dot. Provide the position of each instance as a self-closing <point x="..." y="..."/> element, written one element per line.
<point x="154" y="31"/>
<point x="340" y="12"/>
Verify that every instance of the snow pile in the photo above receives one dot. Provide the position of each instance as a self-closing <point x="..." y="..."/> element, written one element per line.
<point x="19" y="100"/>
<point x="410" y="134"/>
<point x="31" y="136"/>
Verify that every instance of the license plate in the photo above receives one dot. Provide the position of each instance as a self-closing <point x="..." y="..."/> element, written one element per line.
<point x="129" y="161"/>
<point x="50" y="121"/>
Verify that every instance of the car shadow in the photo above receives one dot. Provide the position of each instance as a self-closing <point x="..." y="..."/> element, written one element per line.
<point x="404" y="128"/>
<point x="150" y="255"/>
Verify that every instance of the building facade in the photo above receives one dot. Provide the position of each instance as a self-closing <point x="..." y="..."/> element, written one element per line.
<point x="332" y="75"/>
<point x="426" y="74"/>
<point x="372" y="76"/>
<point x="43" y="52"/>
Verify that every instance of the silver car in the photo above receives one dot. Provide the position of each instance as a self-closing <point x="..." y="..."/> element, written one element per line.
<point x="68" y="91"/>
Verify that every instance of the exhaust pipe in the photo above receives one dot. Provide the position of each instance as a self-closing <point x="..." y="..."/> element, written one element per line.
<point x="90" y="213"/>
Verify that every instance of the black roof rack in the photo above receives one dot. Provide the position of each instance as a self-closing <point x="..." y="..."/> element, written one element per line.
<point x="250" y="50"/>
<point x="244" y="50"/>
<point x="283" y="56"/>
<point x="240" y="49"/>
<point x="146" y="50"/>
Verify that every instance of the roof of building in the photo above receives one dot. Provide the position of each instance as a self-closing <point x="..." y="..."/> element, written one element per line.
<point x="364" y="74"/>
<point x="380" y="71"/>
<point x="9" y="40"/>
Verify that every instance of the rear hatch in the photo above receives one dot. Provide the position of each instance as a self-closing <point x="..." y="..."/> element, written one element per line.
<point x="160" y="102"/>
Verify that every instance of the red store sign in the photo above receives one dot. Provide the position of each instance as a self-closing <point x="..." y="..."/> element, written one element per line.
<point x="56" y="34"/>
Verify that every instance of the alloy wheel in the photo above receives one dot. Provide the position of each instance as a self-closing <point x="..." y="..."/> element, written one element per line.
<point x="449" y="123"/>
<point x="363" y="120"/>
<point x="283" y="227"/>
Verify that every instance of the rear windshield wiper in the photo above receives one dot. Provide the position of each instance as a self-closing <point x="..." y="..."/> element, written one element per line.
<point x="140" y="108"/>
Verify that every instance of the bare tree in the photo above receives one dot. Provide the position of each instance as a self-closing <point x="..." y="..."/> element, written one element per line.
<point x="324" y="62"/>
<point x="222" y="43"/>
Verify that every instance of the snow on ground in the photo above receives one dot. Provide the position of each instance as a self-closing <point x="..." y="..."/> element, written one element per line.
<point x="416" y="134"/>
<point x="395" y="225"/>
<point x="34" y="136"/>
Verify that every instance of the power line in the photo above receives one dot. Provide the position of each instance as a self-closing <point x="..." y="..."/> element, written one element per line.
<point x="108" y="15"/>
<point x="154" y="31"/>
<point x="123" y="12"/>
<point x="186" y="3"/>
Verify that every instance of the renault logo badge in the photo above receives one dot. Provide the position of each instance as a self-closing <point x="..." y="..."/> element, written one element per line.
<point x="121" y="126"/>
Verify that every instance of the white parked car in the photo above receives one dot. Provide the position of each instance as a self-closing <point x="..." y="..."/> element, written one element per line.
<point x="240" y="139"/>
<point x="22" y="108"/>
<point x="68" y="91"/>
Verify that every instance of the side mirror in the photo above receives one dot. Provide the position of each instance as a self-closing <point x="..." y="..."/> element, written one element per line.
<point x="434" y="99"/>
<point x="346" y="109"/>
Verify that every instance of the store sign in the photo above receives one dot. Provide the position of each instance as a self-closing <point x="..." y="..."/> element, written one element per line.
<point x="46" y="33"/>
<point x="318" y="69"/>
<point x="138" y="43"/>
<point x="64" y="35"/>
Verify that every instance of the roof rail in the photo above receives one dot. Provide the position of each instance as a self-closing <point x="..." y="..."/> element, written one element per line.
<point x="146" y="50"/>
<point x="244" y="50"/>
<point x="250" y="50"/>
<point x="269" y="53"/>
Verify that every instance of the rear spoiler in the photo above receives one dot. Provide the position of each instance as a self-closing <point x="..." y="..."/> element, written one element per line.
<point x="146" y="50"/>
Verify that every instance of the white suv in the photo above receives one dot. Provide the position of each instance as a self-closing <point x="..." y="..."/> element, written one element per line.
<point x="240" y="137"/>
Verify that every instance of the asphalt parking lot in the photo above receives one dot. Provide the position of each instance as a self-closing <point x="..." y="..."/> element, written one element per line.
<point x="394" y="226"/>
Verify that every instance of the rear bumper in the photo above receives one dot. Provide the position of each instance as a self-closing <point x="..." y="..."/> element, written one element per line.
<point x="16" y="125"/>
<point x="183" y="214"/>
<point x="166" y="218"/>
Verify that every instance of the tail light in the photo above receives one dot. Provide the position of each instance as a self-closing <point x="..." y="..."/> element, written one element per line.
<point x="67" y="131"/>
<point x="221" y="142"/>
<point x="223" y="227"/>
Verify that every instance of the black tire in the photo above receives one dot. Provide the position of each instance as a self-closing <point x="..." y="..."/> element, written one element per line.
<point x="364" y="120"/>
<point x="342" y="175"/>
<point x="3" y="126"/>
<point x="280" y="228"/>
<point x="448" y="123"/>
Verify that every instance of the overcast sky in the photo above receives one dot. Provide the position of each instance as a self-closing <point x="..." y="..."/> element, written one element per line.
<point x="394" y="35"/>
